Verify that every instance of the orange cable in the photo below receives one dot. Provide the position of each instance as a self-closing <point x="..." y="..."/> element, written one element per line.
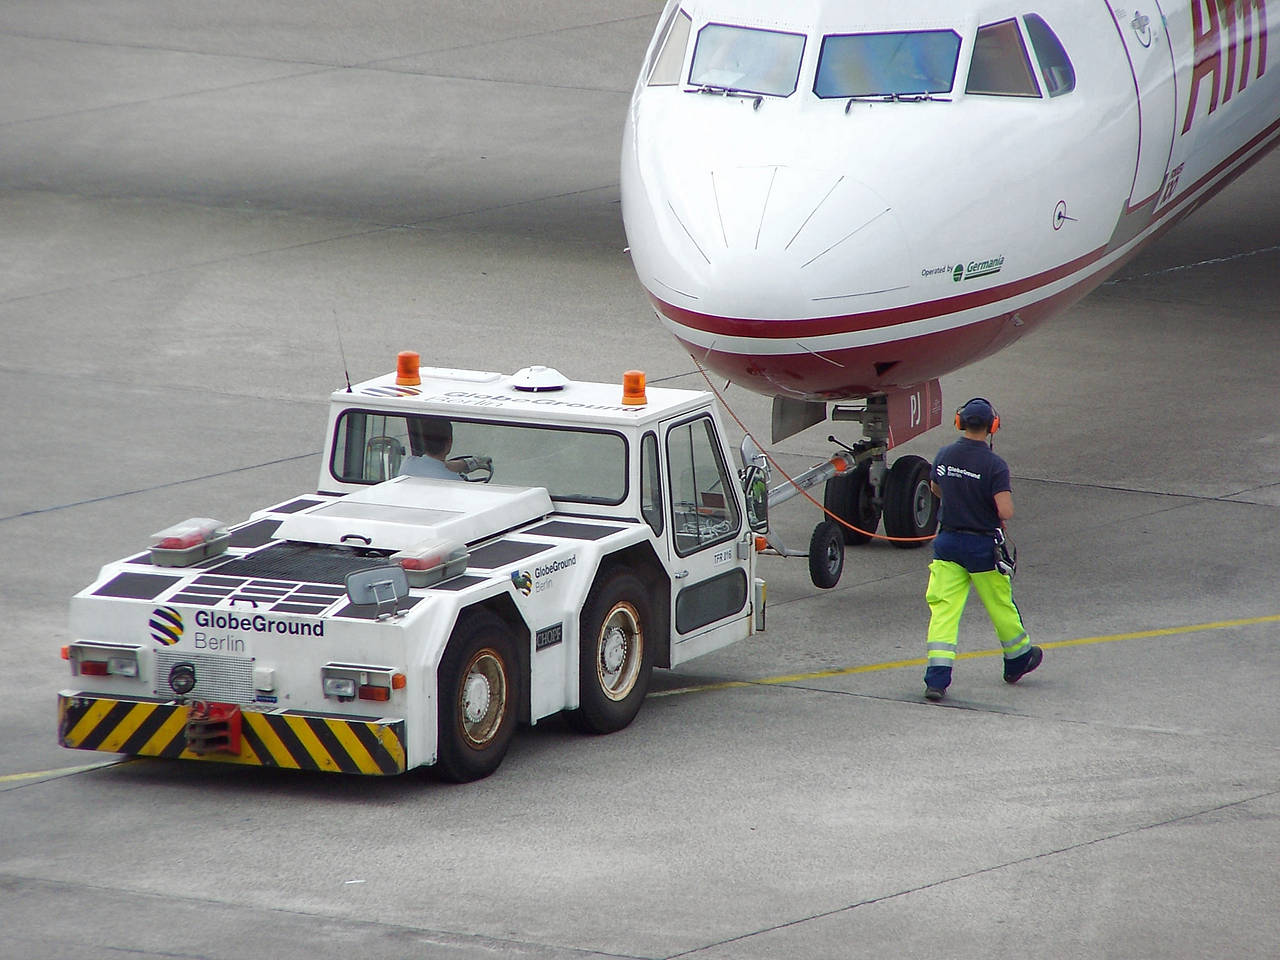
<point x="799" y="489"/>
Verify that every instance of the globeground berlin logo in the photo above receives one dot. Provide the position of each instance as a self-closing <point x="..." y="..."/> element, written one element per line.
<point x="166" y="626"/>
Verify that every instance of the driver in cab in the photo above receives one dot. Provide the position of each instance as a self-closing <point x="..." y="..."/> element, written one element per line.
<point x="430" y="440"/>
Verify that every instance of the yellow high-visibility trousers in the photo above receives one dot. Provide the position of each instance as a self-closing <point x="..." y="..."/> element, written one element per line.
<point x="947" y="594"/>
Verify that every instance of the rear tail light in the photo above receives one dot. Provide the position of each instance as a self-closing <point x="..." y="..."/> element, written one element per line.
<point x="349" y="681"/>
<point x="92" y="659"/>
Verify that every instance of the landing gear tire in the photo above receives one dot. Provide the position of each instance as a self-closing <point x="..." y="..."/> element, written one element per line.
<point x="910" y="508"/>
<point x="826" y="554"/>
<point x="478" y="694"/>
<point x="852" y="499"/>
<point x="615" y="659"/>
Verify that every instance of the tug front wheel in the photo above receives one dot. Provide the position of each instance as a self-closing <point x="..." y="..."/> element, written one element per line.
<point x="826" y="554"/>
<point x="477" y="698"/>
<point x="615" y="655"/>
<point x="910" y="508"/>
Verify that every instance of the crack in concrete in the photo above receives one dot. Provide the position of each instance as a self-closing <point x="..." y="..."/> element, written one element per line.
<point x="444" y="937"/>
<point x="994" y="868"/>
<point x="1214" y="261"/>
<point x="159" y="486"/>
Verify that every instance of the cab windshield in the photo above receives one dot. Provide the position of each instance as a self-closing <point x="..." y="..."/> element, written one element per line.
<point x="747" y="60"/>
<point x="887" y="64"/>
<point x="588" y="466"/>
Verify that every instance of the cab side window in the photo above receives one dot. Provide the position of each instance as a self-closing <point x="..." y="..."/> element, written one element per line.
<point x="650" y="484"/>
<point x="703" y="508"/>
<point x="1000" y="66"/>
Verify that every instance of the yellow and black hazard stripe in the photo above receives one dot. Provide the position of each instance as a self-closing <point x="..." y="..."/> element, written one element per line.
<point x="296" y="741"/>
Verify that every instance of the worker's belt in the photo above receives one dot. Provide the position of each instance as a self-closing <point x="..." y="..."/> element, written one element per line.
<point x="980" y="533"/>
<point x="227" y="733"/>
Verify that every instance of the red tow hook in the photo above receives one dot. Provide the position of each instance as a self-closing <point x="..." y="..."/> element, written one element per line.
<point x="213" y="728"/>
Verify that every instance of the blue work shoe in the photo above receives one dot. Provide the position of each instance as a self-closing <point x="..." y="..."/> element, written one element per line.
<point x="936" y="681"/>
<point x="1019" y="667"/>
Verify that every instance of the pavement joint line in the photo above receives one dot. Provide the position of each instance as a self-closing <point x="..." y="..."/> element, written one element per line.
<point x="433" y="934"/>
<point x="1215" y="261"/>
<point x="181" y="94"/>
<point x="161" y="486"/>
<point x="994" y="868"/>
<point x="1190" y="498"/>
<point x="796" y="678"/>
<point x="372" y="230"/>
<point x="308" y="68"/>
<point x="513" y="38"/>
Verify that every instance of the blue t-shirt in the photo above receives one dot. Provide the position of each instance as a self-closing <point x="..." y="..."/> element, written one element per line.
<point x="427" y="467"/>
<point x="969" y="474"/>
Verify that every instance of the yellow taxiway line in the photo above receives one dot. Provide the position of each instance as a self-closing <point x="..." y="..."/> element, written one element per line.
<point x="57" y="772"/>
<point x="802" y="677"/>
<point x="921" y="661"/>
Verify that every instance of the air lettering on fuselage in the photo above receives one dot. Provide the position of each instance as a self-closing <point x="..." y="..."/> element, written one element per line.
<point x="1225" y="26"/>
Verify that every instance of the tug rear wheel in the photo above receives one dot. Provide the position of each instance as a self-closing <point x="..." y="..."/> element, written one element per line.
<point x="615" y="657"/>
<point x="910" y="508"/>
<point x="477" y="698"/>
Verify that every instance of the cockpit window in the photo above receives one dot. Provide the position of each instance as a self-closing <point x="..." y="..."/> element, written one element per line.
<point x="883" y="64"/>
<point x="1000" y="66"/>
<point x="670" y="51"/>
<point x="1055" y="65"/>
<point x="746" y="59"/>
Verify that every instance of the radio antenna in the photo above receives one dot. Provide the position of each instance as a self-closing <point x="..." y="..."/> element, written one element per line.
<point x="341" y="350"/>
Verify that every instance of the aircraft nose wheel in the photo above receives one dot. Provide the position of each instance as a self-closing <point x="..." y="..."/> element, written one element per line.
<point x="910" y="508"/>
<point x="853" y="499"/>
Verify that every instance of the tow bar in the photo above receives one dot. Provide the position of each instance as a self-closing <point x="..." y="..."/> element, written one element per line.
<point x="213" y="728"/>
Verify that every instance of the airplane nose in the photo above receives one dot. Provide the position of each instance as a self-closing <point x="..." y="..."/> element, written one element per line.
<point x="781" y="241"/>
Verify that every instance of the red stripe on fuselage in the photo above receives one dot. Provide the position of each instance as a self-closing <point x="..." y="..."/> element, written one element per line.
<point x="862" y="371"/>
<point x="787" y="329"/>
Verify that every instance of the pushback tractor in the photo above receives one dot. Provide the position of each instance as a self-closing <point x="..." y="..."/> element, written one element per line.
<point x="483" y="550"/>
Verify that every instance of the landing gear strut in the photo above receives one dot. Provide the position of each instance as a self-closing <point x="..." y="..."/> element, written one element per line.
<point x="900" y="494"/>
<point x="861" y="490"/>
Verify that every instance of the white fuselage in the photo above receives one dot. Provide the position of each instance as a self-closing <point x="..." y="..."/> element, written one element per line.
<point x="832" y="247"/>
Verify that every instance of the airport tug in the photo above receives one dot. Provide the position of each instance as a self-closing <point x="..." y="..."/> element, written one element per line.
<point x="483" y="550"/>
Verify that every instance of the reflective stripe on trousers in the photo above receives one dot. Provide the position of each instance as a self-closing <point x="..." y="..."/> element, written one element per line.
<point x="947" y="594"/>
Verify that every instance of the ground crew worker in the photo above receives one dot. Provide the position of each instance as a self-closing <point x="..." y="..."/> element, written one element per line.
<point x="977" y="500"/>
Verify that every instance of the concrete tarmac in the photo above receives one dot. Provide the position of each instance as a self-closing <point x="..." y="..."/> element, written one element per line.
<point x="204" y="207"/>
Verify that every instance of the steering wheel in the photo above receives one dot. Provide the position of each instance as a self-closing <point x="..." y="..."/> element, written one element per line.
<point x="475" y="464"/>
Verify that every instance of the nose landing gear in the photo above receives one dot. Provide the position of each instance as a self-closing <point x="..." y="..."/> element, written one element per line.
<point x="862" y="490"/>
<point x="899" y="495"/>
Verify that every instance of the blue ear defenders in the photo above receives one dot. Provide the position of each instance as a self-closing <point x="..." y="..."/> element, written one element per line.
<point x="995" y="417"/>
